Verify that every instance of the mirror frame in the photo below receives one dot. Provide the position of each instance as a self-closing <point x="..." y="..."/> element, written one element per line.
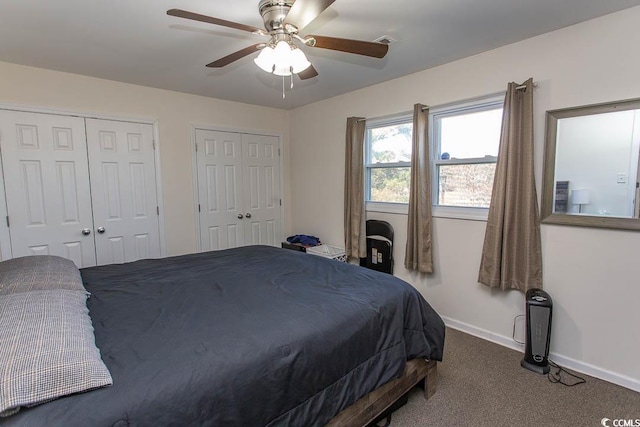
<point x="549" y="168"/>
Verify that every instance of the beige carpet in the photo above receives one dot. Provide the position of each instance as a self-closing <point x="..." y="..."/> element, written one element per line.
<point x="482" y="384"/>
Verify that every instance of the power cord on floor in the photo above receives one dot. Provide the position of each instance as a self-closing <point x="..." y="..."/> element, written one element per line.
<point x="556" y="377"/>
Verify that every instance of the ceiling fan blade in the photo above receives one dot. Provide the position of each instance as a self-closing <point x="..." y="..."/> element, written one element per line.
<point x="211" y="20"/>
<point x="373" y="49"/>
<point x="304" y="11"/>
<point x="235" y="56"/>
<point x="308" y="73"/>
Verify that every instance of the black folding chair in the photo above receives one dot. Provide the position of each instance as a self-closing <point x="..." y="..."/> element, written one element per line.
<point x="379" y="246"/>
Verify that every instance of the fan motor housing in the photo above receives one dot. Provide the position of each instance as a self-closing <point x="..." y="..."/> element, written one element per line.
<point x="274" y="12"/>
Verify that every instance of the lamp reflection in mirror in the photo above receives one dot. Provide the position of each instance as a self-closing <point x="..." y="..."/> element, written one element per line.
<point x="580" y="196"/>
<point x="283" y="60"/>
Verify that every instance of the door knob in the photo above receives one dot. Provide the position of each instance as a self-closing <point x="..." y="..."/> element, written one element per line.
<point x="100" y="230"/>
<point x="240" y="216"/>
<point x="86" y="231"/>
<point x="248" y="215"/>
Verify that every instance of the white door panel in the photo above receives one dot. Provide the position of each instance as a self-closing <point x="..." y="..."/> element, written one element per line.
<point x="261" y="168"/>
<point x="123" y="190"/>
<point x="219" y="164"/>
<point x="47" y="185"/>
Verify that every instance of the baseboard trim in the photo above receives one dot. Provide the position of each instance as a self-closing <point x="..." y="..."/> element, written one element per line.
<point x="484" y="334"/>
<point x="567" y="362"/>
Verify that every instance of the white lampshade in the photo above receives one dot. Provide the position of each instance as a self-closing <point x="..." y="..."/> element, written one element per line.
<point x="266" y="59"/>
<point x="282" y="51"/>
<point x="299" y="61"/>
<point x="282" y="59"/>
<point x="580" y="196"/>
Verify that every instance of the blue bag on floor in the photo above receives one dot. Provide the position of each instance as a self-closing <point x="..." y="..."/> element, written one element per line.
<point x="304" y="239"/>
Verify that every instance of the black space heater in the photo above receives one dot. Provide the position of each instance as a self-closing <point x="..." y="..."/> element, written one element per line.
<point x="538" y="313"/>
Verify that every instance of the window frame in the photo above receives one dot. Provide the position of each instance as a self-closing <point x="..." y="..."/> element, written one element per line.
<point x="438" y="211"/>
<point x="454" y="109"/>
<point x="377" y="206"/>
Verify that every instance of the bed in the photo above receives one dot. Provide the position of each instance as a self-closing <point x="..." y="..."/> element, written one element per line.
<point x="252" y="336"/>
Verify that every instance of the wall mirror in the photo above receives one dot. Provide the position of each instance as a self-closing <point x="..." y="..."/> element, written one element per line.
<point x="591" y="170"/>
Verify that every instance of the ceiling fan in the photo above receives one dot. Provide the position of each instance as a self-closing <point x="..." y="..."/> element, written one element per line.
<point x="283" y="20"/>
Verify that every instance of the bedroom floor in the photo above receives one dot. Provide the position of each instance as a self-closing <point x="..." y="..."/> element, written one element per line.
<point x="482" y="384"/>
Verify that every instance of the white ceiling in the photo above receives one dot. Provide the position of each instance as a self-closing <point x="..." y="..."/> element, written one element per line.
<point x="134" y="41"/>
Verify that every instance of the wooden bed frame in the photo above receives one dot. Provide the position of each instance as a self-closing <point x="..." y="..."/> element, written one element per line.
<point x="365" y="410"/>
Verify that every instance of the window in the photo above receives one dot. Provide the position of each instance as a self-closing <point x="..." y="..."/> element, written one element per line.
<point x="465" y="140"/>
<point x="388" y="159"/>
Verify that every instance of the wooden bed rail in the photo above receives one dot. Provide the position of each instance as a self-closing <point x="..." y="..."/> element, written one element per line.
<point x="366" y="409"/>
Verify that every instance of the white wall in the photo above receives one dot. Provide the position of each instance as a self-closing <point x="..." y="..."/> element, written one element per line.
<point x="175" y="113"/>
<point x="592" y="274"/>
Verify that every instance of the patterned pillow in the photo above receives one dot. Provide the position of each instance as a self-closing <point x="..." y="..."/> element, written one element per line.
<point x="39" y="272"/>
<point x="47" y="348"/>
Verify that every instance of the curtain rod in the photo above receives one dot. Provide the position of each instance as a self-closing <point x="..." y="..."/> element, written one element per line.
<point x="535" y="85"/>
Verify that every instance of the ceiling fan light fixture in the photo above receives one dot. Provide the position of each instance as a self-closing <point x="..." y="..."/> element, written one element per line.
<point x="283" y="60"/>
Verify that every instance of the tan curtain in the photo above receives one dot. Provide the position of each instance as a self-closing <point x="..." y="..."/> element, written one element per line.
<point x="418" y="255"/>
<point x="511" y="256"/>
<point x="354" y="215"/>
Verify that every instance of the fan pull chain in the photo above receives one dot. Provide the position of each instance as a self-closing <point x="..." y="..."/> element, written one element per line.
<point x="291" y="69"/>
<point x="283" y="96"/>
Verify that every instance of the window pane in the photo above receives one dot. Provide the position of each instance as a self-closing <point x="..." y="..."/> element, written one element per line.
<point x="390" y="185"/>
<point x="466" y="185"/>
<point x="390" y="144"/>
<point x="471" y="135"/>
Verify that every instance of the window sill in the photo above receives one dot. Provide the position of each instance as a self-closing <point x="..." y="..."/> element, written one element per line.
<point x="384" y="207"/>
<point x="452" y="212"/>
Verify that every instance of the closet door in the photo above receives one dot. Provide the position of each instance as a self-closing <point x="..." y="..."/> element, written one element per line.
<point x="123" y="190"/>
<point x="261" y="191"/>
<point x="219" y="165"/>
<point x="44" y="160"/>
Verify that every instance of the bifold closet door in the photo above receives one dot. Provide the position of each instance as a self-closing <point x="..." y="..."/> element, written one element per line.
<point x="238" y="189"/>
<point x="123" y="190"/>
<point x="46" y="178"/>
<point x="219" y="163"/>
